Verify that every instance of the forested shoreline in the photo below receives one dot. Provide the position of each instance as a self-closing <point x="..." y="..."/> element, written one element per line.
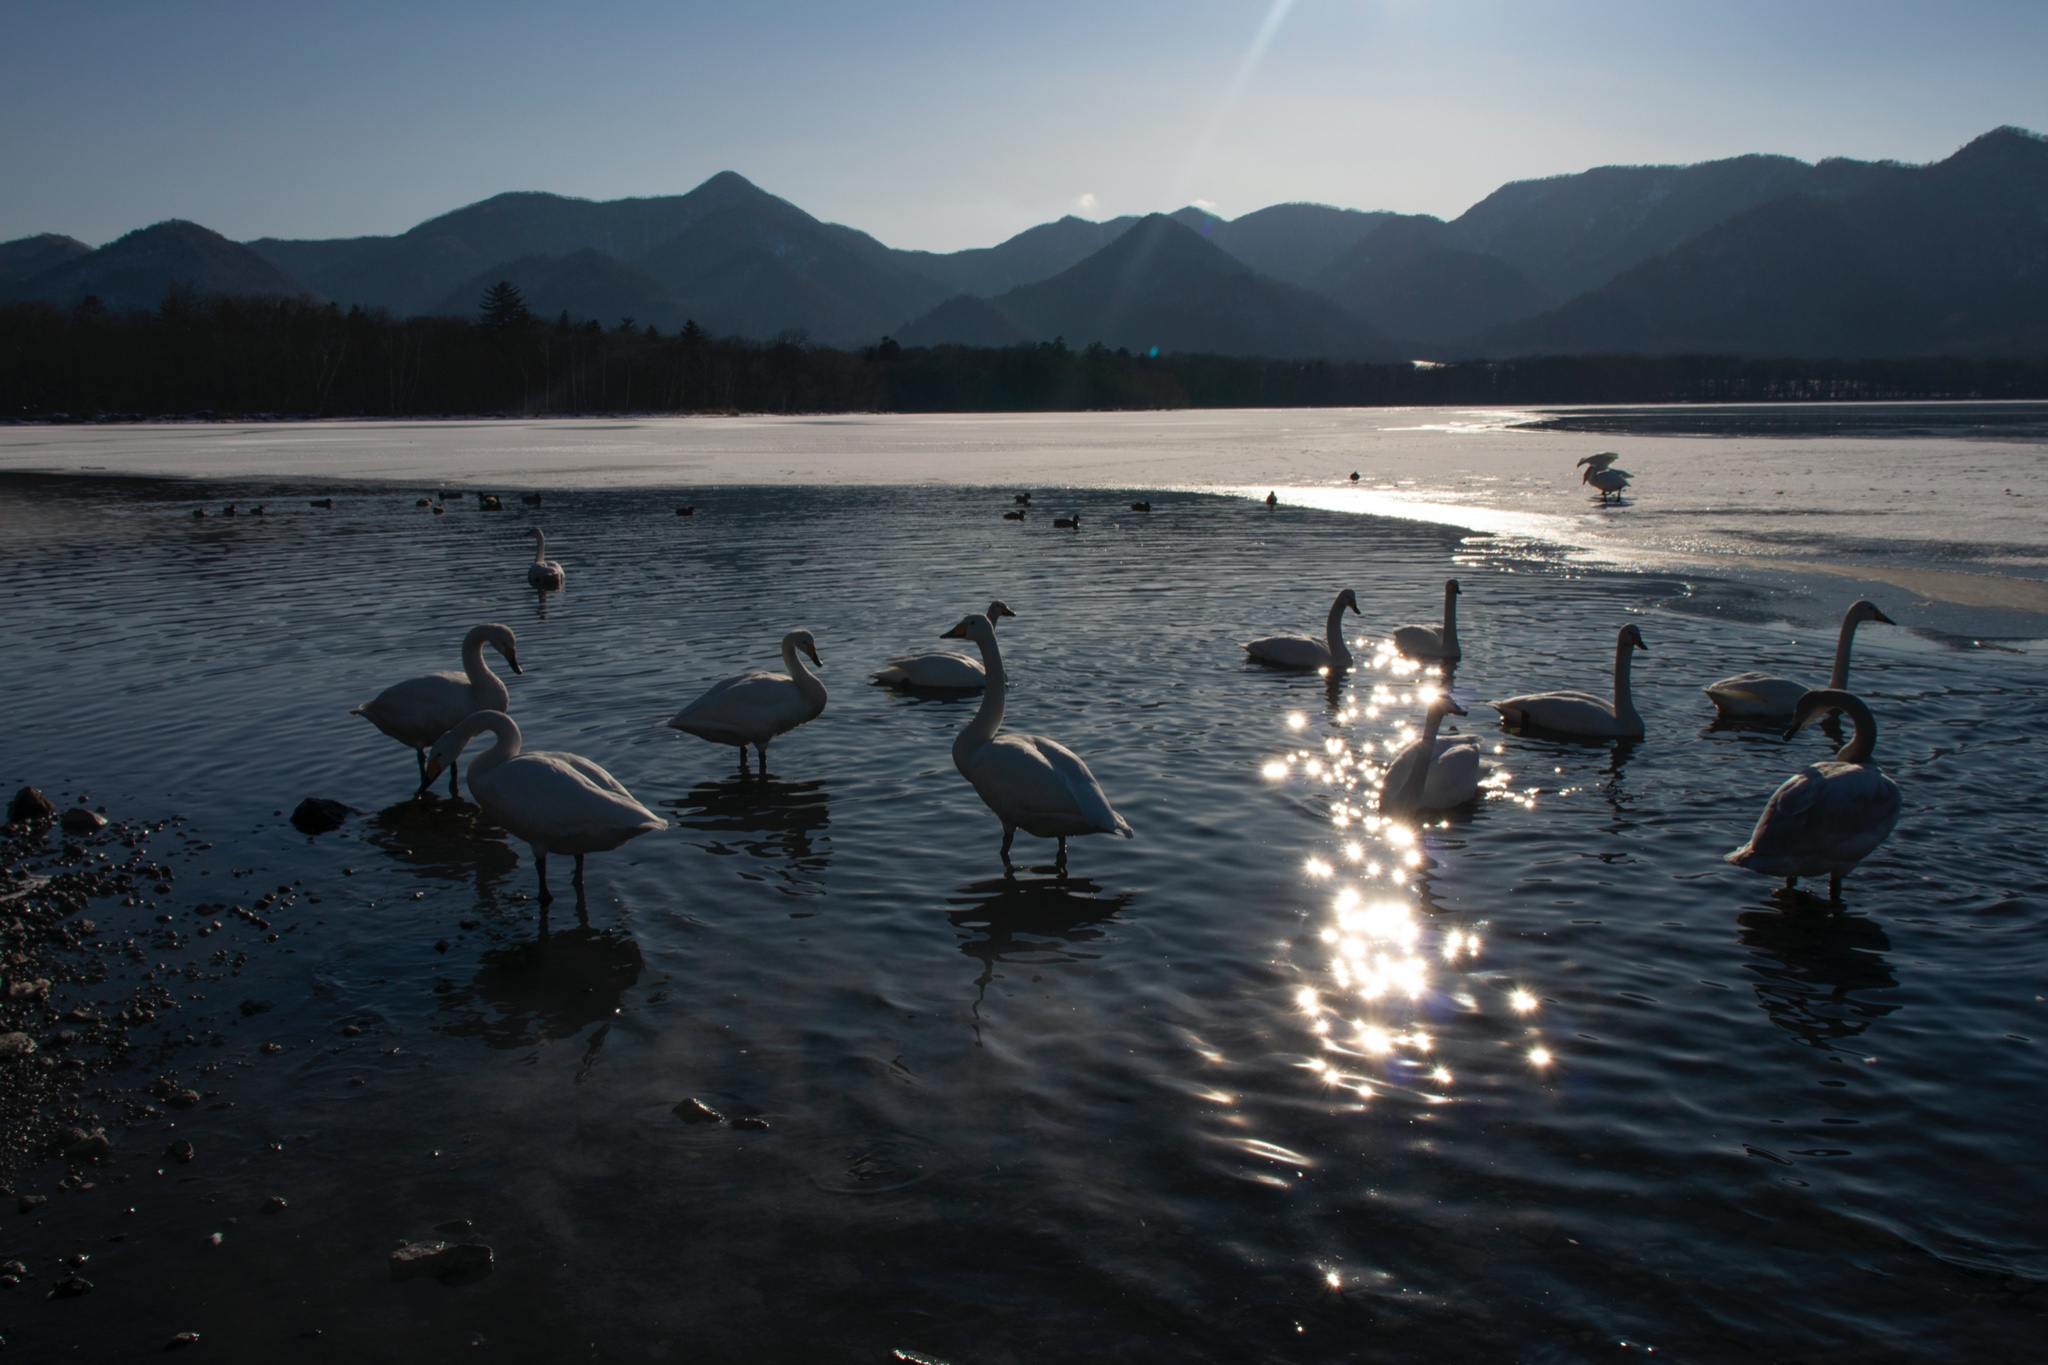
<point x="247" y="357"/>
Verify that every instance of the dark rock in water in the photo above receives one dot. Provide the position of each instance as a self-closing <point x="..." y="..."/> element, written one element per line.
<point x="275" y="1204"/>
<point x="29" y="1203"/>
<point x="30" y="807"/>
<point x="440" y="945"/>
<point x="317" y="815"/>
<point x="472" y="924"/>
<point x="751" y="1124"/>
<point x="14" y="1268"/>
<point x="80" y="821"/>
<point x="13" y="1045"/>
<point x="182" y="1099"/>
<point x="351" y="1030"/>
<point x="696" y="1111"/>
<point x="458" y="1261"/>
<point x="70" y="1287"/>
<point x="272" y="1049"/>
<point x="180" y="1151"/>
<point x="93" y="1146"/>
<point x="181" y="1341"/>
<point x="252" y="1008"/>
<point x="454" y="1227"/>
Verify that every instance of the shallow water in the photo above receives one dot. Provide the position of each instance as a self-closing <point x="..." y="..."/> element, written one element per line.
<point x="1140" y="1113"/>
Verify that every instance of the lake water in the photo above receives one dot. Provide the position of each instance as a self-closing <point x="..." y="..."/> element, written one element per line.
<point x="1614" y="1097"/>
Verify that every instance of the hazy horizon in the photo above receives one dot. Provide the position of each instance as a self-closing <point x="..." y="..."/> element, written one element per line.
<point x="937" y="128"/>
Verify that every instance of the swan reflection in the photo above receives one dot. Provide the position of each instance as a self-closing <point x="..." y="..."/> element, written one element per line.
<point x="763" y="817"/>
<point x="447" y="839"/>
<point x="1030" y="919"/>
<point x="551" y="987"/>
<point x="1814" y="970"/>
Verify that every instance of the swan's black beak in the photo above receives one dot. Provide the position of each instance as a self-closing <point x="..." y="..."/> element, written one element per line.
<point x="1886" y="619"/>
<point x="513" y="659"/>
<point x="812" y="650"/>
<point x="1456" y="709"/>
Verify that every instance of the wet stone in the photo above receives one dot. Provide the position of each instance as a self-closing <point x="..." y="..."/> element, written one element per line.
<point x="696" y="1111"/>
<point x="275" y="1204"/>
<point x="29" y="1203"/>
<point x="92" y="1146"/>
<point x="181" y="1341"/>
<point x="30" y="807"/>
<point x="755" y="1125"/>
<point x="70" y="1287"/>
<point x="441" y="1260"/>
<point x="181" y="1151"/>
<point x="81" y="822"/>
<point x="318" y="815"/>
<point x="13" y="1045"/>
<point x="182" y="1099"/>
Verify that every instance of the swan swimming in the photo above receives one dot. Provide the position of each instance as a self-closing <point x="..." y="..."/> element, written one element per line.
<point x="1431" y="773"/>
<point x="1031" y="783"/>
<point x="543" y="573"/>
<point x="1581" y="715"/>
<point x="1828" y="816"/>
<point x="1433" y="644"/>
<point x="558" y="803"/>
<point x="1304" y="651"/>
<point x="420" y="710"/>
<point x="940" y="669"/>
<point x="753" y="708"/>
<point x="1766" y="696"/>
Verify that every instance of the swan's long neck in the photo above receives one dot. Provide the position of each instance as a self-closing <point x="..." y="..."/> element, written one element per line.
<point x="806" y="681"/>
<point x="1425" y="755"/>
<point x="1624" y="698"/>
<point x="994" y="694"/>
<point x="487" y="686"/>
<point x="1333" y="631"/>
<point x="499" y="724"/>
<point x="1450" y="618"/>
<point x="1838" y="680"/>
<point x="540" y="546"/>
<point x="1863" y="740"/>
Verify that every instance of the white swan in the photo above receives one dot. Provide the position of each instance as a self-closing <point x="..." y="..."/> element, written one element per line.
<point x="420" y="710"/>
<point x="939" y="669"/>
<point x="558" y="803"/>
<point x="1603" y="460"/>
<point x="1828" y="816"/>
<point x="753" y="708"/>
<point x="1031" y="783"/>
<point x="543" y="573"/>
<point x="1611" y="482"/>
<point x="1431" y="773"/>
<point x="1581" y="715"/>
<point x="1433" y="644"/>
<point x="1304" y="651"/>
<point x="1766" y="696"/>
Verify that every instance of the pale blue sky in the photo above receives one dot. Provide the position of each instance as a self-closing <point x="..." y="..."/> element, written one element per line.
<point x="947" y="125"/>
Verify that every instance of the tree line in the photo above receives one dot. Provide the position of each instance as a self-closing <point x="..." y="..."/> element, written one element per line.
<point x="229" y="356"/>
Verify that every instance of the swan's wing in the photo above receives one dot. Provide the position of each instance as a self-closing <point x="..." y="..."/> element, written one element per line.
<point x="420" y="710"/>
<point x="1453" y="774"/>
<point x="591" y="772"/>
<point x="936" y="668"/>
<point x="753" y="705"/>
<point x="1756" y="694"/>
<point x="1040" y="786"/>
<point x="549" y="801"/>
<point x="1413" y="640"/>
<point x="1395" y="782"/>
<point x="1088" y="797"/>
<point x="1825" y="817"/>
<point x="1289" y="651"/>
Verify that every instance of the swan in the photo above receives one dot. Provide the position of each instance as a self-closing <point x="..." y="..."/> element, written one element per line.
<point x="1581" y="715"/>
<point x="420" y="710"/>
<point x="940" y="668"/>
<point x="1302" y="651"/>
<point x="543" y="573"/>
<point x="1431" y="773"/>
<point x="1766" y="696"/>
<point x="1828" y="816"/>
<point x="1031" y="783"/>
<point x="558" y="803"/>
<point x="1603" y="460"/>
<point x="1432" y="644"/>
<point x="1610" y="482"/>
<point x="753" y="708"/>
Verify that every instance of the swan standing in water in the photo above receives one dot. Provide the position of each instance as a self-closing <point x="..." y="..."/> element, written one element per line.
<point x="1765" y="696"/>
<point x="1431" y="773"/>
<point x="1432" y="644"/>
<point x="420" y="710"/>
<point x="753" y="708"/>
<point x="1828" y="816"/>
<point x="1031" y="783"/>
<point x="543" y="573"/>
<point x="1303" y="651"/>
<point x="1581" y="715"/>
<point x="558" y="803"/>
<point x="940" y="669"/>
<point x="1611" y="482"/>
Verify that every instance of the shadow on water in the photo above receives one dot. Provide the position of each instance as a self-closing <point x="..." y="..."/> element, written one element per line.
<point x="447" y="840"/>
<point x="763" y="817"/>
<point x="1812" y="963"/>
<point x="550" y="987"/>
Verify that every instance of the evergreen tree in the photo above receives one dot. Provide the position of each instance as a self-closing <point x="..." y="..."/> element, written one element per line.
<point x="502" y="308"/>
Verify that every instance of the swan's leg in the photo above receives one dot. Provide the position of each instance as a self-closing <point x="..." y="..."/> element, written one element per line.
<point x="1059" y="861"/>
<point x="1834" y="888"/>
<point x="577" y="878"/>
<point x="453" y="790"/>
<point x="743" y="760"/>
<point x="1791" y="883"/>
<point x="421" y="755"/>
<point x="762" y="750"/>
<point x="540" y="863"/>
<point x="1009" y="833"/>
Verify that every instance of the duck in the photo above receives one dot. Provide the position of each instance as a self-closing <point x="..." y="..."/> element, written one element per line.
<point x="1354" y="476"/>
<point x="530" y="499"/>
<point x="686" y="511"/>
<point x="199" y="514"/>
<point x="320" y="502"/>
<point x="1766" y="696"/>
<point x="1141" y="507"/>
<point x="488" y="502"/>
<point x="1029" y="782"/>
<point x="439" y="510"/>
<point x="1272" y="500"/>
<point x="940" y="669"/>
<point x="420" y="710"/>
<point x="1831" y="815"/>
<point x="544" y="573"/>
<point x="1069" y="522"/>
<point x="753" y="708"/>
<point x="1017" y="515"/>
<point x="228" y="511"/>
<point x="1433" y="644"/>
<point x="1431" y="773"/>
<point x="557" y="803"/>
<point x="257" y="510"/>
<point x="1610" y="482"/>
<point x="423" y="502"/>
<point x="1581" y="715"/>
<point x="1022" y="499"/>
<point x="1303" y="651"/>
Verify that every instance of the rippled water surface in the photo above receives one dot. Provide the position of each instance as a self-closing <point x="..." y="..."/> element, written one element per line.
<point x="1270" y="1082"/>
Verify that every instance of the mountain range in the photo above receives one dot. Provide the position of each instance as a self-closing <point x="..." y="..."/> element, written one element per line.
<point x="1752" y="255"/>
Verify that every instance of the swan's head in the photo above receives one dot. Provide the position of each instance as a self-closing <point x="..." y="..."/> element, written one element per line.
<point x="1348" y="598"/>
<point x="1444" y="706"/>
<point x="1451" y="588"/>
<point x="803" y="640"/>
<point x="1818" y="702"/>
<point x="531" y="533"/>
<point x="976" y="628"/>
<point x="997" y="611"/>
<point x="1867" y="610"/>
<point x="499" y="638"/>
<point x="1632" y="638"/>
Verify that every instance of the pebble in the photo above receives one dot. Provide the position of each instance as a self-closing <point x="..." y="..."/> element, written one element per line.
<point x="275" y="1204"/>
<point x="29" y="1203"/>
<point x="70" y="1287"/>
<point x="181" y="1341"/>
<point x="16" y="1045"/>
<point x="441" y="1260"/>
<point x="696" y="1111"/>
<point x="92" y="1146"/>
<point x="182" y="1099"/>
<point x="80" y="821"/>
<point x="273" y="1048"/>
<point x="181" y="1151"/>
<point x="318" y="815"/>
